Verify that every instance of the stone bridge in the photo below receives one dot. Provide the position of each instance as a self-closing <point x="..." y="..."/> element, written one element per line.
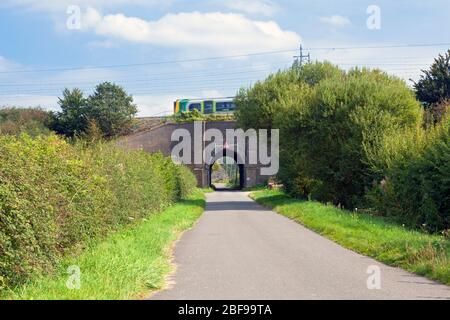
<point x="158" y="139"/>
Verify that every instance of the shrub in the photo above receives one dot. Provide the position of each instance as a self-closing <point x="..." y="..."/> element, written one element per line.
<point x="14" y="121"/>
<point x="415" y="189"/>
<point x="436" y="112"/>
<point x="55" y="196"/>
<point x="259" y="106"/>
<point x="195" y="115"/>
<point x="344" y="121"/>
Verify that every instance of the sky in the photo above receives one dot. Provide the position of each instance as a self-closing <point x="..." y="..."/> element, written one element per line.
<point x="160" y="51"/>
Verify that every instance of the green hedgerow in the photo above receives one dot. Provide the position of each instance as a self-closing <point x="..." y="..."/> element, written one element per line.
<point x="55" y="196"/>
<point x="414" y="187"/>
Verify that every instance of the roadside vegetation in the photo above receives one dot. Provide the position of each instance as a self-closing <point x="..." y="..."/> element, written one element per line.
<point x="33" y="121"/>
<point x="77" y="199"/>
<point x="374" y="236"/>
<point x="196" y="115"/>
<point x="128" y="264"/>
<point x="433" y="89"/>
<point x="57" y="196"/>
<point x="360" y="139"/>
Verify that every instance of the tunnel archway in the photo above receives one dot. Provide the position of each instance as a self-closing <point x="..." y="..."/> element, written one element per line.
<point x="239" y="183"/>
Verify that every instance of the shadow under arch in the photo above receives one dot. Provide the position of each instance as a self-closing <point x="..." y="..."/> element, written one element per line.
<point x="237" y="159"/>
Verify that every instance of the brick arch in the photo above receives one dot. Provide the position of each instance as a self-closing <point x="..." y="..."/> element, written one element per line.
<point x="239" y="162"/>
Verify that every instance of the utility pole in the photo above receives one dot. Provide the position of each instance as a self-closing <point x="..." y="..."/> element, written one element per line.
<point x="302" y="57"/>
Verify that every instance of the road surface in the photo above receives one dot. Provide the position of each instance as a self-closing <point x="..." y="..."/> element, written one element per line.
<point x="240" y="250"/>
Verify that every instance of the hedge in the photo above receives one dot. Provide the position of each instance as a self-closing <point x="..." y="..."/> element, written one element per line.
<point x="414" y="188"/>
<point x="56" y="196"/>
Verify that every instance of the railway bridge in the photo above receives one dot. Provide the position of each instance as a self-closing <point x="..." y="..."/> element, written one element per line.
<point x="159" y="139"/>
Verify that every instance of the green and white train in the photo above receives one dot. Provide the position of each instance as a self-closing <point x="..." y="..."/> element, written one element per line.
<point x="205" y="106"/>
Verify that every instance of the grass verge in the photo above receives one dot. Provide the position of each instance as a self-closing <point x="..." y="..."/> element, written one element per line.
<point x="421" y="253"/>
<point x="208" y="190"/>
<point x="128" y="264"/>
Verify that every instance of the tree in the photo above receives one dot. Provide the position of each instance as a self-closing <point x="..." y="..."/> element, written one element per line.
<point x="434" y="85"/>
<point x="313" y="73"/>
<point x="258" y="106"/>
<point x="73" y="118"/>
<point x="112" y="108"/>
<point x="109" y="110"/>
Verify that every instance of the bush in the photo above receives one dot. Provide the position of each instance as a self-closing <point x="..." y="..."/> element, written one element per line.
<point x="54" y="197"/>
<point x="415" y="189"/>
<point x="195" y="115"/>
<point x="259" y="107"/>
<point x="329" y="122"/>
<point x="339" y="128"/>
<point x="436" y="112"/>
<point x="14" y="121"/>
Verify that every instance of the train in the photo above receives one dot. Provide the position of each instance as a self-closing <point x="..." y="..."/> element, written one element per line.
<point x="205" y="106"/>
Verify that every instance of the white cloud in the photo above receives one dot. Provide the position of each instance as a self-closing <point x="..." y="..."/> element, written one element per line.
<point x="336" y="21"/>
<point x="257" y="7"/>
<point x="219" y="32"/>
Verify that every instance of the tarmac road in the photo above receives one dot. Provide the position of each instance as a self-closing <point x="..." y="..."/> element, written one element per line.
<point x="240" y="250"/>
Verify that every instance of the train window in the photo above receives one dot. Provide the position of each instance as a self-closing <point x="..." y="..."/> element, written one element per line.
<point x="225" y="106"/>
<point x="195" y="106"/>
<point x="208" y="107"/>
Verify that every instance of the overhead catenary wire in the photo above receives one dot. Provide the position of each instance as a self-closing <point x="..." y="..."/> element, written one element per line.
<point x="180" y="73"/>
<point x="119" y="80"/>
<point x="146" y="63"/>
<point x="227" y="57"/>
<point x="157" y="88"/>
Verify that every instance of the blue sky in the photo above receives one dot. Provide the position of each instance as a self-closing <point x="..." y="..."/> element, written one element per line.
<point x="156" y="49"/>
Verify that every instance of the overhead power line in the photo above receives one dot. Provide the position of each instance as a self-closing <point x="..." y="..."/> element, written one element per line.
<point x="158" y="87"/>
<point x="442" y="44"/>
<point x="186" y="78"/>
<point x="224" y="57"/>
<point x="148" y="63"/>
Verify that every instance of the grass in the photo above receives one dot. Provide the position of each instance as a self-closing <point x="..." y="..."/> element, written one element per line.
<point x="208" y="190"/>
<point x="415" y="251"/>
<point x="128" y="264"/>
<point x="259" y="187"/>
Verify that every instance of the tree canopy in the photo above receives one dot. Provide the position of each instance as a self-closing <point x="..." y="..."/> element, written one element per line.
<point x="109" y="108"/>
<point x="434" y="85"/>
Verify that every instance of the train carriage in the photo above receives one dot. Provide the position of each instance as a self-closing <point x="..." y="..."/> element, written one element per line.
<point x="205" y="106"/>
